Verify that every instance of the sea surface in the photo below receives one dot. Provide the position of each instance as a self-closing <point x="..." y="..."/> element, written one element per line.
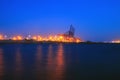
<point x="58" y="61"/>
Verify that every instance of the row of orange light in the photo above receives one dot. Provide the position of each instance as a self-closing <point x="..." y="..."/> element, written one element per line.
<point x="13" y="38"/>
<point x="17" y="38"/>
<point x="56" y="38"/>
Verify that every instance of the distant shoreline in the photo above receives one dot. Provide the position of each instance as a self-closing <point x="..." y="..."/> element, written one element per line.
<point x="32" y="41"/>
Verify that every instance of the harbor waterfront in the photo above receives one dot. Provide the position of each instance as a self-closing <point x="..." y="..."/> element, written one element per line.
<point x="67" y="37"/>
<point x="59" y="61"/>
<point x="59" y="39"/>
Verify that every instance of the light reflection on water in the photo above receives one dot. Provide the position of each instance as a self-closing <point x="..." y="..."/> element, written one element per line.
<point x="59" y="62"/>
<point x="1" y="64"/>
<point x="18" y="65"/>
<point x="50" y="63"/>
<point x="38" y="62"/>
<point x="55" y="66"/>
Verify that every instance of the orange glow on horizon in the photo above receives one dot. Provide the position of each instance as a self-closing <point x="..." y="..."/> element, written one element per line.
<point x="17" y="38"/>
<point x="116" y="41"/>
<point x="37" y="38"/>
<point x="1" y="37"/>
<point x="52" y="38"/>
<point x="57" y="38"/>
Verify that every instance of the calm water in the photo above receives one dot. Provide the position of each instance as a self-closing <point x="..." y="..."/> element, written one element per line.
<point x="60" y="62"/>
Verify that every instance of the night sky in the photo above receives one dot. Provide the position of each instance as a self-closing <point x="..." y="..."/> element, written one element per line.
<point x="95" y="20"/>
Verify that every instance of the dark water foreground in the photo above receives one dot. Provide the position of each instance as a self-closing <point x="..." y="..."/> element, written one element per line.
<point x="60" y="61"/>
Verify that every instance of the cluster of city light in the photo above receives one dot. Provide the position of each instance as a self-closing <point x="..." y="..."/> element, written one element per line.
<point x="52" y="38"/>
<point x="17" y="38"/>
<point x="56" y="38"/>
<point x="116" y="41"/>
<point x="1" y="37"/>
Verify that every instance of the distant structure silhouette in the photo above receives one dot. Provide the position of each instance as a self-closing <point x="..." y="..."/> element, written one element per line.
<point x="71" y="31"/>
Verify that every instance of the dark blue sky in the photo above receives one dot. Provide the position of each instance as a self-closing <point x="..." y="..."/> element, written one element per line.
<point x="96" y="20"/>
